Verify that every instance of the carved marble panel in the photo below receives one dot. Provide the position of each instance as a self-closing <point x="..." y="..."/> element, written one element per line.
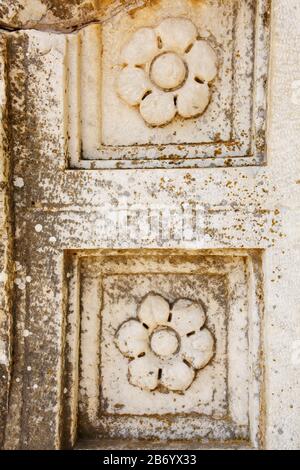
<point x="167" y="345"/>
<point x="172" y="84"/>
<point x="71" y="258"/>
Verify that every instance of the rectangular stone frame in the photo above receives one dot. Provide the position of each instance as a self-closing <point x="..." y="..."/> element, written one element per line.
<point x="83" y="104"/>
<point x="72" y="427"/>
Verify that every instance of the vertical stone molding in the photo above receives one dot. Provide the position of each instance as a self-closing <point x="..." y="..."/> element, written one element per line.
<point x="173" y="85"/>
<point x="6" y="265"/>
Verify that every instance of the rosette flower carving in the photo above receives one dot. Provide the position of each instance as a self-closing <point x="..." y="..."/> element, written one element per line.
<point x="166" y="344"/>
<point x="167" y="71"/>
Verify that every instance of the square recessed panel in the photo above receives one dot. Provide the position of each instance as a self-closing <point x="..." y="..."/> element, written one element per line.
<point x="205" y="302"/>
<point x="193" y="96"/>
<point x="208" y="392"/>
<point x="123" y="125"/>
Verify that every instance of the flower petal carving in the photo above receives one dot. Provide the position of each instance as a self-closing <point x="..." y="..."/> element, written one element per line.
<point x="202" y="61"/>
<point x="143" y="373"/>
<point x="141" y="47"/>
<point x="132" y="338"/>
<point x="132" y="85"/>
<point x="187" y="316"/>
<point x="198" y="349"/>
<point x="167" y="344"/>
<point x="177" y="376"/>
<point x="168" y="72"/>
<point x="177" y="34"/>
<point x="154" y="310"/>
<point x="158" y="108"/>
<point x="193" y="99"/>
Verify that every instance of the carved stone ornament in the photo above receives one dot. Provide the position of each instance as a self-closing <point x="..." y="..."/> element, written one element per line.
<point x="167" y="71"/>
<point x="166" y="344"/>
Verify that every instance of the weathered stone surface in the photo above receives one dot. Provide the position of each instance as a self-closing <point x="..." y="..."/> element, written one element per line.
<point x="84" y="237"/>
<point x="60" y="15"/>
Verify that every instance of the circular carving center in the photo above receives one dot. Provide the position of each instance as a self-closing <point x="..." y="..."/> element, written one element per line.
<point x="164" y="342"/>
<point x="168" y="71"/>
